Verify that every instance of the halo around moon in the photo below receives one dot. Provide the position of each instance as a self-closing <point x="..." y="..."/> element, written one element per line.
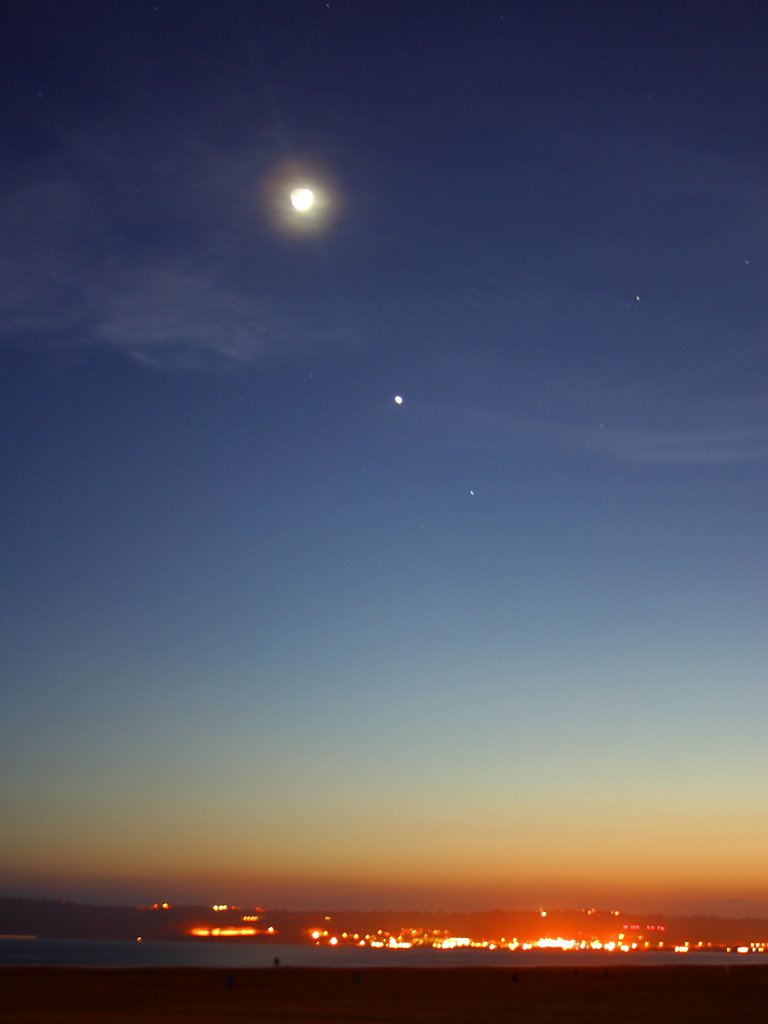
<point x="300" y="198"/>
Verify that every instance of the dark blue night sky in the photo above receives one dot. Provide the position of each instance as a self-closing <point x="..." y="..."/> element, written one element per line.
<point x="268" y="634"/>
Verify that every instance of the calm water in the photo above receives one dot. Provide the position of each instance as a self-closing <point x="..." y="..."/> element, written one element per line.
<point x="191" y="954"/>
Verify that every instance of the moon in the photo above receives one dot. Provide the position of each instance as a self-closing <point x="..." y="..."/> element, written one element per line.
<point x="302" y="199"/>
<point x="398" y="399"/>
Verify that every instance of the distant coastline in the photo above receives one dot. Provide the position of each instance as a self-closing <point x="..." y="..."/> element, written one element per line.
<point x="23" y="919"/>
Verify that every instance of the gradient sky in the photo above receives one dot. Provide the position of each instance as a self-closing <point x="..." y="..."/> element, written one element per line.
<point x="268" y="636"/>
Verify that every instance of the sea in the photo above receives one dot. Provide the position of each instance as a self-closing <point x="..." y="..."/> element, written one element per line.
<point x="98" y="953"/>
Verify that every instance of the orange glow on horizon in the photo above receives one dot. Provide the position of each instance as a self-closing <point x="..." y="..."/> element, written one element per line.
<point x="619" y="877"/>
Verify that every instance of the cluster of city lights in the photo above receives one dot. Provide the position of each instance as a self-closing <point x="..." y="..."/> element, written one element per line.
<point x="409" y="938"/>
<point x="632" y="937"/>
<point x="752" y="947"/>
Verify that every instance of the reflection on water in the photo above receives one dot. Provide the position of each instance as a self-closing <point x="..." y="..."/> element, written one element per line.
<point x="191" y="954"/>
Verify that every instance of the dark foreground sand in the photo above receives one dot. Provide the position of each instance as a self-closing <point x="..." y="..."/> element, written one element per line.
<point x="616" y="995"/>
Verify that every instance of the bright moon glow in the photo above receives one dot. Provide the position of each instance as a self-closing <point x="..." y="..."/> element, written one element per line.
<point x="302" y="199"/>
<point x="398" y="399"/>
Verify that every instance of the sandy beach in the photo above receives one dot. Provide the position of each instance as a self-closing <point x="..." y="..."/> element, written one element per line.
<point x="705" y="995"/>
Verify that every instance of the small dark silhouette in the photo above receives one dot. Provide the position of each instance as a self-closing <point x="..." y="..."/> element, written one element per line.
<point x="276" y="961"/>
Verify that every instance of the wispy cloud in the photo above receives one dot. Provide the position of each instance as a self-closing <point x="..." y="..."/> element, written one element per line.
<point x="502" y="433"/>
<point x="166" y="259"/>
<point x="171" y="316"/>
<point x="676" y="447"/>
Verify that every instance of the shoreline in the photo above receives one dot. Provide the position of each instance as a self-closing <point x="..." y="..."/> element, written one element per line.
<point x="33" y="994"/>
<point x="238" y="953"/>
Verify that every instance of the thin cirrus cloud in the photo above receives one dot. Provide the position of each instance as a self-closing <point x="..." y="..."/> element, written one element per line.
<point x="166" y="259"/>
<point x="649" y="444"/>
<point x="688" y="447"/>
<point x="672" y="447"/>
<point x="168" y="316"/>
<point x="692" y="445"/>
<point x="173" y="317"/>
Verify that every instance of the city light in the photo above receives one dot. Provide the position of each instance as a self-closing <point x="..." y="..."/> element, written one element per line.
<point x="600" y="937"/>
<point x="224" y="933"/>
<point x="408" y="938"/>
